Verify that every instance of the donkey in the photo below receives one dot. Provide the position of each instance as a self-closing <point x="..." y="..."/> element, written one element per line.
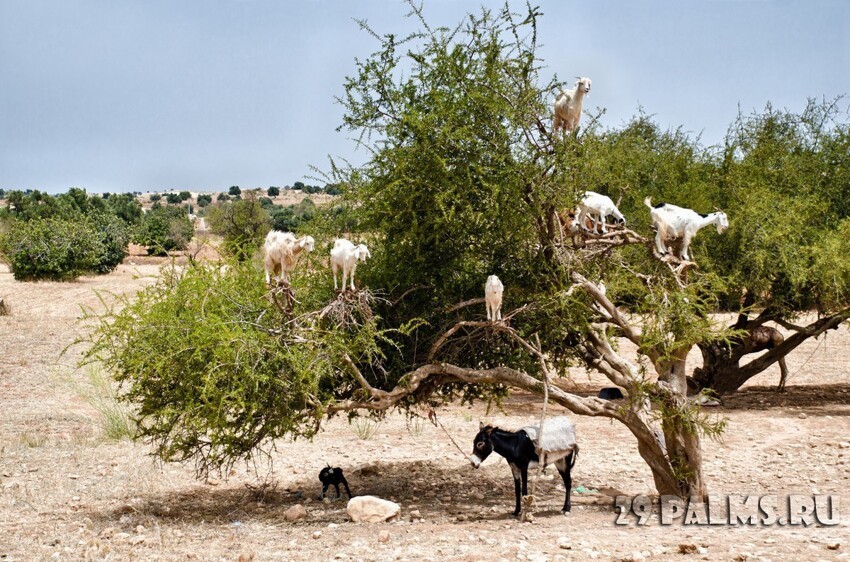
<point x="519" y="448"/>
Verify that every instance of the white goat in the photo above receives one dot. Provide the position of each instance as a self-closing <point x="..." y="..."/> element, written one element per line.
<point x="281" y="252"/>
<point x="345" y="255"/>
<point x="597" y="207"/>
<point x="567" y="111"/>
<point x="672" y="222"/>
<point x="493" y="290"/>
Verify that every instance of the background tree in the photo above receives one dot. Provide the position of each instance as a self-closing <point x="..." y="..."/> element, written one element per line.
<point x="164" y="229"/>
<point x="173" y="199"/>
<point x="243" y="224"/>
<point x="185" y="195"/>
<point x="61" y="237"/>
<point x="234" y="191"/>
<point x="204" y="200"/>
<point x="273" y="191"/>
<point x="155" y="197"/>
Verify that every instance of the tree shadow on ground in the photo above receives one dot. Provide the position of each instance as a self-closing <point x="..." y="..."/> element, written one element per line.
<point x="439" y="493"/>
<point x="820" y="400"/>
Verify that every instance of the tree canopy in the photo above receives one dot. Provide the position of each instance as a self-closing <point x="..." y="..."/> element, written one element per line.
<point x="465" y="181"/>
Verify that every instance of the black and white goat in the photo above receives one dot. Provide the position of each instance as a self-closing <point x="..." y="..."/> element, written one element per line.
<point x="519" y="448"/>
<point x="333" y="477"/>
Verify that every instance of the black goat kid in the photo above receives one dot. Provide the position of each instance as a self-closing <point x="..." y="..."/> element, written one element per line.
<point x="333" y="477"/>
<point x="519" y="450"/>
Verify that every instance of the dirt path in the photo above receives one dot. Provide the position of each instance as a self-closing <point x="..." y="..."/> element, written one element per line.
<point x="67" y="493"/>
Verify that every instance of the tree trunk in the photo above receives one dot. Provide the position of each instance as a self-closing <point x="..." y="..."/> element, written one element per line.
<point x="722" y="371"/>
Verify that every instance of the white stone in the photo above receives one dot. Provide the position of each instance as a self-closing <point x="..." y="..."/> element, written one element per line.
<point x="370" y="509"/>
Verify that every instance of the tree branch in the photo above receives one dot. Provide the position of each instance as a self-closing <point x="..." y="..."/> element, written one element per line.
<point x="434" y="373"/>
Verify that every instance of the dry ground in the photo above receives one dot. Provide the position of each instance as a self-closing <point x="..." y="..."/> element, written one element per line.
<point x="68" y="493"/>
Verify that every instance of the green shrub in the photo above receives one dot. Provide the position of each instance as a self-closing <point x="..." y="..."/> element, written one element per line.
<point x="155" y="197"/>
<point x="114" y="236"/>
<point x="173" y="199"/>
<point x="185" y="195"/>
<point x="243" y="224"/>
<point x="55" y="249"/>
<point x="234" y="190"/>
<point x="164" y="229"/>
<point x="273" y="191"/>
<point x="204" y="200"/>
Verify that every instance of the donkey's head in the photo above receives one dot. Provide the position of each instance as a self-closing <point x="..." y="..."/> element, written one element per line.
<point x="482" y="446"/>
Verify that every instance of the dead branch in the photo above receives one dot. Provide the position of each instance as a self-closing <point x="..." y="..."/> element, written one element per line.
<point x="493" y="326"/>
<point x="470" y="302"/>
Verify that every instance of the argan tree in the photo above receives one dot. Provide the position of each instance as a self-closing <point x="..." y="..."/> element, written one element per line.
<point x="464" y="181"/>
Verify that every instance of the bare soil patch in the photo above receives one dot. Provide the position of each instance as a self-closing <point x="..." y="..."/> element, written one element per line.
<point x="68" y="493"/>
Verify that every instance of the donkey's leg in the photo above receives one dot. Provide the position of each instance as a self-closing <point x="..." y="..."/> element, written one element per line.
<point x="563" y="466"/>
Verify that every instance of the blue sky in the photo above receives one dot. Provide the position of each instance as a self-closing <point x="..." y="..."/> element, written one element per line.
<point x="120" y="95"/>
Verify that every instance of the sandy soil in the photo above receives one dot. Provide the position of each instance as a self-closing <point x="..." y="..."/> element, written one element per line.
<point x="68" y="493"/>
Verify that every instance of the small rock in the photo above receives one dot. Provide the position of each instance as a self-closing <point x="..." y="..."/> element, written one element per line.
<point x="332" y="525"/>
<point x="247" y="556"/>
<point x="835" y="546"/>
<point x="844" y="445"/>
<point x="212" y="482"/>
<point x="295" y="513"/>
<point x="415" y="514"/>
<point x="73" y="476"/>
<point x="140" y="529"/>
<point x="702" y="550"/>
<point x="317" y="534"/>
<point x="802" y="415"/>
<point x="384" y="536"/>
<point x="687" y="549"/>
<point x="478" y="496"/>
<point x="446" y="499"/>
<point x="138" y="539"/>
<point x="564" y="543"/>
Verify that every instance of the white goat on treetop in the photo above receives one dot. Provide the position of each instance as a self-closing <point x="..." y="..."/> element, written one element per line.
<point x="281" y="252"/>
<point x="345" y="254"/>
<point x="672" y="222"/>
<point x="567" y="110"/>
<point x="597" y="207"/>
<point x="493" y="290"/>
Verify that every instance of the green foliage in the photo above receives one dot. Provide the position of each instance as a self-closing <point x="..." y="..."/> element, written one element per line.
<point x="211" y="375"/>
<point x="243" y="224"/>
<point x="155" y="197"/>
<point x="91" y="233"/>
<point x="222" y="197"/>
<point x="173" y="198"/>
<point x="164" y="229"/>
<point x="126" y="207"/>
<point x="204" y="200"/>
<point x="292" y="217"/>
<point x="234" y="190"/>
<point x="784" y="185"/>
<point x="273" y="191"/>
<point x="52" y="248"/>
<point x="185" y="195"/>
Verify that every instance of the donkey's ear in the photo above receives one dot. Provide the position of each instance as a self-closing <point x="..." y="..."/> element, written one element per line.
<point x="480" y="425"/>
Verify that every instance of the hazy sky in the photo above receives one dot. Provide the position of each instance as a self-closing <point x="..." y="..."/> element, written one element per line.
<point x="121" y="95"/>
